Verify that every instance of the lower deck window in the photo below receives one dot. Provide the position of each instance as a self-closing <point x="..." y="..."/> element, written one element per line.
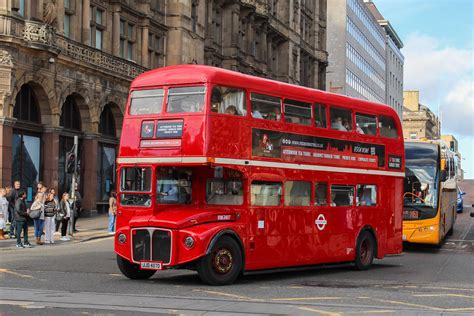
<point x="265" y="193"/>
<point x="297" y="193"/>
<point x="342" y="195"/>
<point x="173" y="185"/>
<point x="224" y="192"/>
<point x="366" y="195"/>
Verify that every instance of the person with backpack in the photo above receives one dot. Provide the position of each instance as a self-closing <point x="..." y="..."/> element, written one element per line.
<point x="36" y="213"/>
<point x="21" y="216"/>
<point x="50" y="210"/>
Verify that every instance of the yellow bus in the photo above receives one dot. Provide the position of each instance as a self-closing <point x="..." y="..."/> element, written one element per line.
<point x="429" y="201"/>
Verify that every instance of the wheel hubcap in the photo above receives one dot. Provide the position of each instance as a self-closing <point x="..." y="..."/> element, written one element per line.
<point x="222" y="261"/>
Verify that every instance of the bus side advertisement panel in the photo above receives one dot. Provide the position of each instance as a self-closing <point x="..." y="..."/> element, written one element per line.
<point x="311" y="149"/>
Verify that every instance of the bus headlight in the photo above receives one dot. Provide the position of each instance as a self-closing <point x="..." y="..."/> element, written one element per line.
<point x="189" y="242"/>
<point x="122" y="238"/>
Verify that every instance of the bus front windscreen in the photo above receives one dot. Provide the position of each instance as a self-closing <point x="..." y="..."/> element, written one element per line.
<point x="421" y="181"/>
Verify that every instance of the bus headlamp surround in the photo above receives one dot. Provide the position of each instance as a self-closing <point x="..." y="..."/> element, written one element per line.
<point x="122" y="238"/>
<point x="189" y="242"/>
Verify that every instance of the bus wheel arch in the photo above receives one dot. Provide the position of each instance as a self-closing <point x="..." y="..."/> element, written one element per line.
<point x="366" y="248"/>
<point x="223" y="262"/>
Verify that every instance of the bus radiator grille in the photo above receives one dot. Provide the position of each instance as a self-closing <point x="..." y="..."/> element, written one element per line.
<point x="161" y="246"/>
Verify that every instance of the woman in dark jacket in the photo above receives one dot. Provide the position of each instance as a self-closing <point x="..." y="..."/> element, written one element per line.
<point x="21" y="215"/>
<point x="49" y="214"/>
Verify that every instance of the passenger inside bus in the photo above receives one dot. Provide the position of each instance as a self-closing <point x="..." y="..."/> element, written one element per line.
<point x="173" y="186"/>
<point x="321" y="194"/>
<point x="231" y="109"/>
<point x="337" y="124"/>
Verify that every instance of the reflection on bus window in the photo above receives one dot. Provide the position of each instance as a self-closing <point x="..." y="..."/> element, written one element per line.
<point x="173" y="185"/>
<point x="341" y="119"/>
<point x="146" y="102"/>
<point x="366" y="195"/>
<point x="297" y="112"/>
<point x="387" y="127"/>
<point x="321" y="194"/>
<point x="297" y="193"/>
<point x="135" y="179"/>
<point x="127" y="199"/>
<point x="265" y="193"/>
<point x="342" y="195"/>
<point x="228" y="101"/>
<point x="224" y="192"/>
<point x="320" y="115"/>
<point x="266" y="107"/>
<point x="186" y="99"/>
<point x="366" y="124"/>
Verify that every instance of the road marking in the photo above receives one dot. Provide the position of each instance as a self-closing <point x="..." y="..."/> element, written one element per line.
<point x="16" y="273"/>
<point x="444" y="295"/>
<point x="305" y="298"/>
<point x="239" y="297"/>
<point x="462" y="309"/>
<point x="308" y="309"/>
<point x="372" y="312"/>
<point x="447" y="288"/>
<point x="409" y="304"/>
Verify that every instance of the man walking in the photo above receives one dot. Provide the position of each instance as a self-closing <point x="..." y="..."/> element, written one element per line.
<point x="12" y="198"/>
<point x="21" y="216"/>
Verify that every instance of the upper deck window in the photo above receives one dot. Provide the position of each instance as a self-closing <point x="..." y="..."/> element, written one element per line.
<point x="297" y="112"/>
<point x="228" y="101"/>
<point x="341" y="119"/>
<point x="146" y="102"/>
<point x="186" y="99"/>
<point x="387" y="127"/>
<point x="266" y="107"/>
<point x="366" y="124"/>
<point x="320" y="115"/>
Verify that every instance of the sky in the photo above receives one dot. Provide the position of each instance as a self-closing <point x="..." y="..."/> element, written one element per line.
<point x="438" y="38"/>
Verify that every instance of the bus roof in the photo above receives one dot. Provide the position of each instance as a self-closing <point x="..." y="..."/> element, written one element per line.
<point x="201" y="74"/>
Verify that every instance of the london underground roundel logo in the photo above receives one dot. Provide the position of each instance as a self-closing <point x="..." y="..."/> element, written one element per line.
<point x="321" y="222"/>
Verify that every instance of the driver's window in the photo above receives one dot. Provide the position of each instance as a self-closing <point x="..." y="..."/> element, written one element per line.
<point x="173" y="185"/>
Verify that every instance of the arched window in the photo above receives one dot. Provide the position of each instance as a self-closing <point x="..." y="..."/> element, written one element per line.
<point x="26" y="106"/>
<point x="70" y="116"/>
<point x="107" y="122"/>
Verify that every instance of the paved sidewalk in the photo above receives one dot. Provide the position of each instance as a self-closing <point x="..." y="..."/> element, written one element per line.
<point x="89" y="228"/>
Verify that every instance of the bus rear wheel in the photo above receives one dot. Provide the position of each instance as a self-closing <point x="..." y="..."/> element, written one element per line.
<point x="223" y="264"/>
<point x="133" y="271"/>
<point x="365" y="251"/>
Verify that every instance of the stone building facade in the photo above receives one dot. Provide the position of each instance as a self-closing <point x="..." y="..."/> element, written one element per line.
<point x="418" y="120"/>
<point x="66" y="66"/>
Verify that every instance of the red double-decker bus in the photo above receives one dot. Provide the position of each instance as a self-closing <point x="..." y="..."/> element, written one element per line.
<point x="225" y="173"/>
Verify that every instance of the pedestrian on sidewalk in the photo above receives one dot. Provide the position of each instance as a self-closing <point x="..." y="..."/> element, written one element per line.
<point x="21" y="215"/>
<point x="112" y="211"/>
<point x="77" y="209"/>
<point x="50" y="210"/>
<point x="3" y="213"/>
<point x="12" y="198"/>
<point x="66" y="211"/>
<point x="38" y="205"/>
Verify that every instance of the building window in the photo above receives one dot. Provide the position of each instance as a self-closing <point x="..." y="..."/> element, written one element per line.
<point x="413" y="135"/>
<point x="127" y="39"/>
<point x="21" y="7"/>
<point x="107" y="123"/>
<point x="194" y="15"/>
<point x="97" y="27"/>
<point x="154" y="50"/>
<point x="70" y="115"/>
<point x="26" y="106"/>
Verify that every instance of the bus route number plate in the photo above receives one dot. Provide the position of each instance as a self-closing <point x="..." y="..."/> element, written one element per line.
<point x="151" y="265"/>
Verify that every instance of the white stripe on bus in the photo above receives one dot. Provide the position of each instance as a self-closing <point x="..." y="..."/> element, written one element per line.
<point x="259" y="163"/>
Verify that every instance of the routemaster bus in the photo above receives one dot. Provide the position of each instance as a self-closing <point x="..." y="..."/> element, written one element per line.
<point x="225" y="173"/>
<point x="429" y="210"/>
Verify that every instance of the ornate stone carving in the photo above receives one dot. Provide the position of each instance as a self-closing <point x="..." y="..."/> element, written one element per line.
<point x="6" y="58"/>
<point x="39" y="33"/>
<point x="50" y="13"/>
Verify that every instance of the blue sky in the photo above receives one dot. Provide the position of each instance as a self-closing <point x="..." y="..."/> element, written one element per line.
<point x="439" y="61"/>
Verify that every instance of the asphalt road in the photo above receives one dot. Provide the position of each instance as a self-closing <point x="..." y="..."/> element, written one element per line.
<point x="66" y="279"/>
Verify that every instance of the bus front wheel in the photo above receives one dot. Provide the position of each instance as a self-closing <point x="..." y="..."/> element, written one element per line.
<point x="223" y="264"/>
<point x="133" y="271"/>
<point x="365" y="251"/>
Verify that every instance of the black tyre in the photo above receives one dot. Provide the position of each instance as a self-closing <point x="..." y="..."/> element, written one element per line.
<point x="223" y="264"/>
<point x="365" y="251"/>
<point x="133" y="271"/>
